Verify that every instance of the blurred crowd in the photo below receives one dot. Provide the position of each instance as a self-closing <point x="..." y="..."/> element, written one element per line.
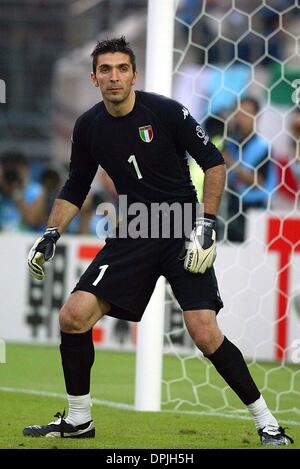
<point x="235" y="56"/>
<point x="256" y="178"/>
<point x="27" y="193"/>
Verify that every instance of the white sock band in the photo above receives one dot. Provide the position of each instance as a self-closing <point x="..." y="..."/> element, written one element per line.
<point x="261" y="414"/>
<point x="79" y="409"/>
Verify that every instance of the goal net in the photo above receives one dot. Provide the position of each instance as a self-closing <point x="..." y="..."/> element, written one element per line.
<point x="236" y="68"/>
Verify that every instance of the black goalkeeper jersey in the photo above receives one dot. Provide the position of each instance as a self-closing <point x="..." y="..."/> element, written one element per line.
<point x="144" y="152"/>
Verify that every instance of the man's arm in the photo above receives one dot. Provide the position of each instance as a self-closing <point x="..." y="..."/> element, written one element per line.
<point x="214" y="183"/>
<point x="69" y="201"/>
<point x="62" y="214"/>
<point x="43" y="249"/>
<point x="201" y="250"/>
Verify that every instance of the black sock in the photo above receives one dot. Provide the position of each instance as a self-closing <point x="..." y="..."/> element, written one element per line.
<point x="77" y="356"/>
<point x="229" y="362"/>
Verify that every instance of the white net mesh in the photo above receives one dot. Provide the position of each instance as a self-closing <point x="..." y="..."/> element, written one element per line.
<point x="225" y="52"/>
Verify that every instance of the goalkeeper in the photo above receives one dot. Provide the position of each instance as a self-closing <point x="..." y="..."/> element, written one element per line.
<point x="141" y="140"/>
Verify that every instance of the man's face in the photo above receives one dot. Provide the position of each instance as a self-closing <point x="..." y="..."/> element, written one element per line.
<point x="114" y="76"/>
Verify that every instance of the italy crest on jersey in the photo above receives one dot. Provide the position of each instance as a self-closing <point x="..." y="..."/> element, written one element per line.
<point x="146" y="133"/>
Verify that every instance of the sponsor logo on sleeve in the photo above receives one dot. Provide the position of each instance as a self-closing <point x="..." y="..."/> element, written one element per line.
<point x="201" y="134"/>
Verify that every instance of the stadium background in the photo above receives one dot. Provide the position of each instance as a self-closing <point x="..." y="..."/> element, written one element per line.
<point x="222" y="51"/>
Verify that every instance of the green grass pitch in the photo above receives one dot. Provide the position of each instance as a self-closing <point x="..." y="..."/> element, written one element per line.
<point x="32" y="388"/>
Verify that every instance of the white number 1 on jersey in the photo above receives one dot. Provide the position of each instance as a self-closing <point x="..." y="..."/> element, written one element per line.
<point x="102" y="272"/>
<point x="132" y="159"/>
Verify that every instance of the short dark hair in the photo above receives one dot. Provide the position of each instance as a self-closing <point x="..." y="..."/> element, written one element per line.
<point x="113" y="45"/>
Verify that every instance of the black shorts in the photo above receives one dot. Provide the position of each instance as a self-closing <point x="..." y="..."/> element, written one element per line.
<point x="125" y="271"/>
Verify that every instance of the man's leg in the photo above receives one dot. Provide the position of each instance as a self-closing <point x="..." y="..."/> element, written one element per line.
<point x="229" y="362"/>
<point x="77" y="317"/>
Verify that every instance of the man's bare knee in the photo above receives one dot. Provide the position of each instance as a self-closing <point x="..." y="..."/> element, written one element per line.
<point x="204" y="330"/>
<point x="70" y="320"/>
<point x="81" y="312"/>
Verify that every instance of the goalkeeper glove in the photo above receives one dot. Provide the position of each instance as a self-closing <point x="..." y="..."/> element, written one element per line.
<point x="201" y="248"/>
<point x="42" y="251"/>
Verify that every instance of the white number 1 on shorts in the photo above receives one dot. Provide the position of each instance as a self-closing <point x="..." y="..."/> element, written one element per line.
<point x="102" y="272"/>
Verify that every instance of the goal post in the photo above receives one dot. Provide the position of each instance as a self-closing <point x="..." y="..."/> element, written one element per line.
<point x="159" y="48"/>
<point x="149" y="354"/>
<point x="159" y="67"/>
